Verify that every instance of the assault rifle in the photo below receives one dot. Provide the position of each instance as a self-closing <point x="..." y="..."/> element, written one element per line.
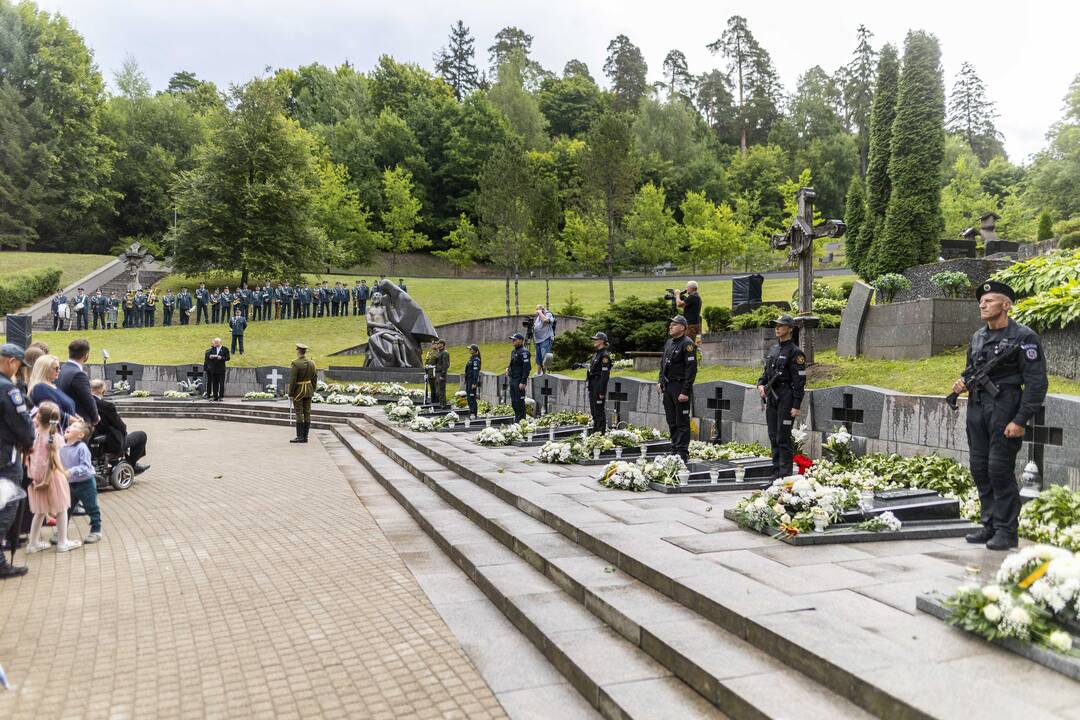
<point x="978" y="378"/>
<point x="770" y="391"/>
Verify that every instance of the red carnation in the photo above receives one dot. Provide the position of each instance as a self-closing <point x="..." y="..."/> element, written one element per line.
<point x="803" y="462"/>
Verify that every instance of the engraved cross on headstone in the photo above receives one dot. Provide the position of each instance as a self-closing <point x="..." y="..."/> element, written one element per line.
<point x="195" y="373"/>
<point x="718" y="404"/>
<point x="1039" y="434"/>
<point x="619" y="397"/>
<point x="799" y="240"/>
<point x="124" y="373"/>
<point x="273" y="378"/>
<point x="546" y="392"/>
<point x="847" y="414"/>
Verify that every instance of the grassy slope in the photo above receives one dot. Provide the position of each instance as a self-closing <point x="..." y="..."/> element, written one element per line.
<point x="71" y="266"/>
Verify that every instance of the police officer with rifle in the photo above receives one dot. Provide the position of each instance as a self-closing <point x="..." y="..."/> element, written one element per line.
<point x="678" y="368"/>
<point x="597" y="372"/>
<point x="781" y="389"/>
<point x="1005" y="379"/>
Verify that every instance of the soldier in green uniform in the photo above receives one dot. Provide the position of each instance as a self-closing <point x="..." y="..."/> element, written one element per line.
<point x="302" y="380"/>
<point x="442" y="367"/>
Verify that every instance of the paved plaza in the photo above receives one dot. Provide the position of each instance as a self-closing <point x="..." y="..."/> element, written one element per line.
<point x="239" y="577"/>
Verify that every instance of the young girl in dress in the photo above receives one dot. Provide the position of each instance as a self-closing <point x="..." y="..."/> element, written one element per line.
<point x="48" y="492"/>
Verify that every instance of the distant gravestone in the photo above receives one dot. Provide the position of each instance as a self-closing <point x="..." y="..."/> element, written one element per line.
<point x="849" y="339"/>
<point x="128" y="372"/>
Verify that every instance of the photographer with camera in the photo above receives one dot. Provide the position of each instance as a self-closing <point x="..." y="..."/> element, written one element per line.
<point x="542" y="331"/>
<point x="690" y="303"/>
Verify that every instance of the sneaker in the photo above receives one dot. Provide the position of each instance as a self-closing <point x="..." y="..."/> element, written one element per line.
<point x="67" y="545"/>
<point x="92" y="538"/>
<point x="40" y="545"/>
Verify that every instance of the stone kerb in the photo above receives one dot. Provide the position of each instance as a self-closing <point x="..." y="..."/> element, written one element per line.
<point x="849" y="340"/>
<point x="977" y="270"/>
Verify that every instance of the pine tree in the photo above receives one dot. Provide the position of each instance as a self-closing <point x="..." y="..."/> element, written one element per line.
<point x="854" y="217"/>
<point x="913" y="222"/>
<point x="752" y="73"/>
<point x="678" y="81"/>
<point x="455" y="63"/>
<point x="858" y="88"/>
<point x="1046" y="226"/>
<point x="878" y="187"/>
<point x="972" y="113"/>
<point x="626" y="69"/>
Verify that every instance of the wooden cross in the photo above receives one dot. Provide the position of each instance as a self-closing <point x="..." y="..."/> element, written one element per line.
<point x="718" y="404"/>
<point x="546" y="392"/>
<point x="799" y="240"/>
<point x="1039" y="434"/>
<point x="619" y="397"/>
<point x="848" y="414"/>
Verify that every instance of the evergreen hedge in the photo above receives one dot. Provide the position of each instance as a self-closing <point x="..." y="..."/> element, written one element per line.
<point x="19" y="289"/>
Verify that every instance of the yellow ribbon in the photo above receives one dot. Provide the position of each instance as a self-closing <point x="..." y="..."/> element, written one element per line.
<point x="1035" y="575"/>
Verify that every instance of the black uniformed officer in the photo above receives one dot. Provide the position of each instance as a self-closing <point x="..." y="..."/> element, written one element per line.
<point x="16" y="436"/>
<point x="678" y="368"/>
<point x="472" y="378"/>
<point x="517" y="374"/>
<point x="781" y="386"/>
<point x="995" y="425"/>
<point x="596" y="380"/>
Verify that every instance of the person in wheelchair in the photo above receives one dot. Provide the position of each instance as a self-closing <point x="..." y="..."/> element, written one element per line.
<point x="116" y="452"/>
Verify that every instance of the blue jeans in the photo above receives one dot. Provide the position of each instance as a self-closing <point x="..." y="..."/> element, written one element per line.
<point x="86" y="492"/>
<point x="542" y="349"/>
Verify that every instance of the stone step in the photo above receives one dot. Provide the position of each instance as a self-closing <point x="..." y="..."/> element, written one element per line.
<point x="203" y="414"/>
<point x="823" y="646"/>
<point x="739" y="679"/>
<point x="614" y="675"/>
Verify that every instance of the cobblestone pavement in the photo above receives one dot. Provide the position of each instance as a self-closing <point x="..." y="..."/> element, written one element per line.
<point x="240" y="577"/>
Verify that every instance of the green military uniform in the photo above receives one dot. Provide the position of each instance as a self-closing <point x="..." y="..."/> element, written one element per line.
<point x="302" y="380"/>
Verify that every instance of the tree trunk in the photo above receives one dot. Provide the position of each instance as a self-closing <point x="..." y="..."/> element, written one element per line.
<point x="611" y="254"/>
<point x="517" y="305"/>
<point x="507" y="291"/>
<point x="547" y="291"/>
<point x="243" y="276"/>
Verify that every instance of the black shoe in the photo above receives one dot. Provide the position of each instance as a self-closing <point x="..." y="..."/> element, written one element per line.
<point x="140" y="469"/>
<point x="980" y="536"/>
<point x="1003" y="540"/>
<point x="12" y="571"/>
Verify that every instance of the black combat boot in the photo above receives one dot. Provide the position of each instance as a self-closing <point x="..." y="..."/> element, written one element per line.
<point x="981" y="535"/>
<point x="307" y="428"/>
<point x="299" y="433"/>
<point x="1003" y="540"/>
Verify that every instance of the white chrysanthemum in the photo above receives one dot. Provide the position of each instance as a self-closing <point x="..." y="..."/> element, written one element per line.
<point x="1020" y="616"/>
<point x="1061" y="641"/>
<point x="992" y="593"/>
<point x="992" y="613"/>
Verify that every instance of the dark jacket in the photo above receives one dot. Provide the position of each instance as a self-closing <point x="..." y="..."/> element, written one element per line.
<point x="1025" y="364"/>
<point x="472" y="372"/>
<point x="679" y="363"/>
<point x="597" y="374"/>
<point x="75" y="383"/>
<point x="16" y="430"/>
<point x="785" y="367"/>
<point x="111" y="426"/>
<point x="215" y="359"/>
<point x="47" y="393"/>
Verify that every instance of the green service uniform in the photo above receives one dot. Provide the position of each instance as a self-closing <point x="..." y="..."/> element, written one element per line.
<point x="302" y="381"/>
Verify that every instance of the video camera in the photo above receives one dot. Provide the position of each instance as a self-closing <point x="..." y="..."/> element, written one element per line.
<point x="527" y="323"/>
<point x="671" y="295"/>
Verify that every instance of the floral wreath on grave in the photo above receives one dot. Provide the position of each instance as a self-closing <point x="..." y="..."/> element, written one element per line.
<point x="402" y="412"/>
<point x="1053" y="517"/>
<point x="257" y="395"/>
<point x="430" y="424"/>
<point x="176" y="395"/>
<point x="560" y="453"/>
<point x="1035" y="599"/>
<point x="793" y="505"/>
<point x="621" y="475"/>
<point x="140" y="393"/>
<point x="663" y="470"/>
<point x="728" y="451"/>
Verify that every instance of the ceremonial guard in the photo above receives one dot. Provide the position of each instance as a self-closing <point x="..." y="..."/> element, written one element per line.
<point x="302" y="378"/>
<point x="139" y="302"/>
<point x="363" y="293"/>
<point x="678" y="368"/>
<point x="596" y="380"/>
<point x="226" y="305"/>
<point x="472" y="379"/>
<point x="517" y="374"/>
<point x="335" y="300"/>
<point x="112" y="309"/>
<point x="286" y="301"/>
<point x="439" y="359"/>
<point x="150" y="309"/>
<point x="184" y="305"/>
<point x="215" y="307"/>
<point x="98" y="305"/>
<point x="277" y="301"/>
<point x="238" y="324"/>
<point x="82" y="311"/>
<point x="305" y="301"/>
<point x="256" y="303"/>
<point x="297" y="302"/>
<point x="59" y="307"/>
<point x="202" y="300"/>
<point x="268" y="302"/>
<point x="781" y="387"/>
<point x="168" y="304"/>
<point x="245" y="299"/>
<point x="1005" y="379"/>
<point x="129" y="309"/>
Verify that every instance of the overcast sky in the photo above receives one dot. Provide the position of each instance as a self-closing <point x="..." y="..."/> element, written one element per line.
<point x="1024" y="51"/>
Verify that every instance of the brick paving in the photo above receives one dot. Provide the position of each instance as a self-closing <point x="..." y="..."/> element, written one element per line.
<point x="240" y="577"/>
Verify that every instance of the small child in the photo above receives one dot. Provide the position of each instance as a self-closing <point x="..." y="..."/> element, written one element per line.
<point x="82" y="478"/>
<point x="48" y="491"/>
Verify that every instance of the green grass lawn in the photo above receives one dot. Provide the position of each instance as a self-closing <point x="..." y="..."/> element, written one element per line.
<point x="71" y="266"/>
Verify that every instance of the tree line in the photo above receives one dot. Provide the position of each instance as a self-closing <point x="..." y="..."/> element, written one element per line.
<point x="505" y="161"/>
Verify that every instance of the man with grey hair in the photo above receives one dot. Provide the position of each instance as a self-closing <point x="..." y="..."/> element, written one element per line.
<point x="214" y="366"/>
<point x="1002" y="398"/>
<point x="690" y="304"/>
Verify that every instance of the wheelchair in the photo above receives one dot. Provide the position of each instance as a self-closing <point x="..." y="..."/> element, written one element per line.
<point x="113" y="471"/>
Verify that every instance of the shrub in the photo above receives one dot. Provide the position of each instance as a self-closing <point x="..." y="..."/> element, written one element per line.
<point x="1054" y="308"/>
<point x="572" y="306"/>
<point x="889" y="284"/>
<point x="572" y="346"/>
<point x="717" y="317"/>
<point x="1070" y="241"/>
<point x="954" y="284"/>
<point x="828" y="320"/>
<point x="1046" y="226"/>
<point x="756" y="318"/>
<point x="830" y="306"/>
<point x="19" y="289"/>
<point x="846" y="287"/>
<point x="1041" y="273"/>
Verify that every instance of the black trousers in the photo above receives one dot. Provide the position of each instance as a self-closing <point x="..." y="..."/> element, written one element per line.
<point x="993" y="457"/>
<point x="135" y="446"/>
<point x="7" y="527"/>
<point x="779" y="421"/>
<point x="296" y="309"/>
<point x="678" y="417"/>
<point x="166" y="317"/>
<point x="237" y="341"/>
<point x="99" y="317"/>
<point x="286" y="309"/>
<point x="80" y="319"/>
<point x="598" y="408"/>
<point x="200" y="313"/>
<point x="470" y="397"/>
<point x="216" y="390"/>
<point x="184" y="317"/>
<point x="517" y="399"/>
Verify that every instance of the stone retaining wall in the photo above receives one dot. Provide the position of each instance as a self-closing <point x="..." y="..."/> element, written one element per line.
<point x="977" y="270"/>
<point x="917" y="329"/>
<point x="747" y="348"/>
<point x="1062" y="348"/>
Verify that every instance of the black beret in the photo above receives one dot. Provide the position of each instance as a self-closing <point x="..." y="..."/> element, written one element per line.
<point x="995" y="287"/>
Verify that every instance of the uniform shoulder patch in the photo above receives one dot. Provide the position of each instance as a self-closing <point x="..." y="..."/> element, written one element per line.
<point x="605" y="360"/>
<point x="690" y="348"/>
<point x="15" y="395"/>
<point x="800" y="359"/>
<point x="1032" y="353"/>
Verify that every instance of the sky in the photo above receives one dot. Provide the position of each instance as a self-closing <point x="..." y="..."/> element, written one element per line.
<point x="1023" y="51"/>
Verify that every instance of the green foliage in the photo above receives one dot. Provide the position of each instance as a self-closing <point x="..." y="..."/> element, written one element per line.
<point x="1046" y="226"/>
<point x="610" y="170"/>
<point x="878" y="185"/>
<point x="572" y="307"/>
<point x="913" y="221"/>
<point x="1070" y="241"/>
<point x="717" y="318"/>
<point x="754" y="78"/>
<point x="400" y="215"/>
<point x="757" y="318"/>
<point x="455" y="64"/>
<point x="963" y="199"/>
<point x="1041" y="273"/>
<point x="889" y="284"/>
<point x="653" y="232"/>
<point x="630" y="324"/>
<point x="954" y="284"/>
<point x="1058" y="307"/>
<point x="712" y="231"/>
<point x="626" y="69"/>
<point x="1051" y="517"/>
<point x="855" y="219"/>
<point x="569" y="348"/>
<point x="518" y="105"/>
<point x="845" y="288"/>
<point x="19" y="289"/>
<point x="464" y="241"/>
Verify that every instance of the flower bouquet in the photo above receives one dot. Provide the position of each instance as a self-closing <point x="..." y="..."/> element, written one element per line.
<point x="490" y="437"/>
<point x="1053" y="517"/>
<point x="140" y="393"/>
<point x="840" y="447"/>
<point x="664" y="470"/>
<point x="363" y="400"/>
<point x="884" y="521"/>
<point x="622" y="475"/>
<point x="337" y="398"/>
<point x="728" y="451"/>
<point x="560" y="453"/>
<point x="788" y="504"/>
<point x="596" y="444"/>
<point x="256" y="395"/>
<point x="421" y="424"/>
<point x="121" y="386"/>
<point x="176" y="395"/>
<point x="317" y="398"/>
<point x="446" y="420"/>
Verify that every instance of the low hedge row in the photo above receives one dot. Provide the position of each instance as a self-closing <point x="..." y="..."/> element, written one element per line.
<point x="19" y="289"/>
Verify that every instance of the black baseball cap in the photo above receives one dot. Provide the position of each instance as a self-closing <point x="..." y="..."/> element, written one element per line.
<point x="784" y="319"/>
<point x="517" y="336"/>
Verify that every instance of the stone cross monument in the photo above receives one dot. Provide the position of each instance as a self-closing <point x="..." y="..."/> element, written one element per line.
<point x="799" y="241"/>
<point x="136" y="256"/>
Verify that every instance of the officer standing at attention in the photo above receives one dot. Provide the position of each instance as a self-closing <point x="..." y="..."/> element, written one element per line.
<point x="517" y="373"/>
<point x="16" y="437"/>
<point x="995" y="424"/>
<point x="442" y="367"/>
<point x="81" y="309"/>
<point x="302" y="378"/>
<point x="168" y="302"/>
<point x="297" y="301"/>
<point x="183" y="304"/>
<point x="238" y="324"/>
<point x="678" y="368"/>
<point x="781" y="387"/>
<point x="202" y="299"/>
<point x="98" y="306"/>
<point x="472" y="379"/>
<point x="596" y="380"/>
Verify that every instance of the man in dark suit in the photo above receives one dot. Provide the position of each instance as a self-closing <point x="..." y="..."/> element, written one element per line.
<point x="75" y="382"/>
<point x="118" y="441"/>
<point x="214" y="365"/>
